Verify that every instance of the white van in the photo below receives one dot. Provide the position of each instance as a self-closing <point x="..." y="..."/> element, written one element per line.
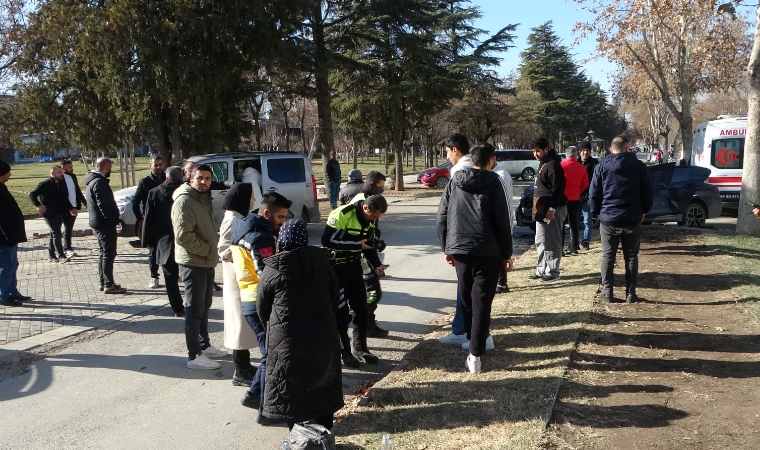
<point x="719" y="146"/>
<point x="518" y="163"/>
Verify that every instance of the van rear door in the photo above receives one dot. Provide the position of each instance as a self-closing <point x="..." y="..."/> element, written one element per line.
<point x="286" y="175"/>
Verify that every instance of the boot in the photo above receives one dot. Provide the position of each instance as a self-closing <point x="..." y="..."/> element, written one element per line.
<point x="373" y="330"/>
<point x="360" y="350"/>
<point x="349" y="360"/>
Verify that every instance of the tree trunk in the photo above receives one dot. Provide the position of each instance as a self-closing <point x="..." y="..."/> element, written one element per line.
<point x="353" y="143"/>
<point x="398" y="150"/>
<point x="747" y="223"/>
<point x="175" y="132"/>
<point x="322" y="87"/>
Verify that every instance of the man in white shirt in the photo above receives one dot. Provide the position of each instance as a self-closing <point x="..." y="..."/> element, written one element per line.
<point x="76" y="198"/>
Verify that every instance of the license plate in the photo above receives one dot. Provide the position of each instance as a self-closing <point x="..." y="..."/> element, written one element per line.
<point x="729" y="197"/>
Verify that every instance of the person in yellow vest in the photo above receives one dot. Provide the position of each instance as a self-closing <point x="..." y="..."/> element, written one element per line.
<point x="348" y="234"/>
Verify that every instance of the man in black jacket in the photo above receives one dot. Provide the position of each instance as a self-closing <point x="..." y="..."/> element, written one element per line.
<point x="104" y="216"/>
<point x="76" y="198"/>
<point x="332" y="179"/>
<point x="12" y="233"/>
<point x="590" y="163"/>
<point x="145" y="185"/>
<point x="549" y="211"/>
<point x="476" y="237"/>
<point x="158" y="235"/>
<point x="621" y="195"/>
<point x="353" y="187"/>
<point x="51" y="197"/>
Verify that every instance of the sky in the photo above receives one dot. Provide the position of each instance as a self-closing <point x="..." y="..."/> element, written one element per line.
<point x="530" y="14"/>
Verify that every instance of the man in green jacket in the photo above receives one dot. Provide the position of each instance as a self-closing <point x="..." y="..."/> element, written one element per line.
<point x="195" y="241"/>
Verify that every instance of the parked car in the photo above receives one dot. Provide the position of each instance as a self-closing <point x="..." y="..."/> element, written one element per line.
<point x="518" y="163"/>
<point x="435" y="176"/>
<point x="287" y="173"/>
<point x="680" y="195"/>
<point x="45" y="159"/>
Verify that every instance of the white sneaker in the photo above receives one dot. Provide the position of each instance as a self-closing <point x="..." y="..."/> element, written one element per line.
<point x="472" y="363"/>
<point x="489" y="344"/>
<point x="70" y="253"/>
<point x="201" y="362"/>
<point x="213" y="352"/>
<point x="153" y="283"/>
<point x="452" y="338"/>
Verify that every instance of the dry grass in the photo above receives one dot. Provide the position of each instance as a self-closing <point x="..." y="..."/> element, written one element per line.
<point x="432" y="403"/>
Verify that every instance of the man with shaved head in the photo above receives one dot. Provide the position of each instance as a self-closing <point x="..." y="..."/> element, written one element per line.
<point x="104" y="216"/>
<point x="51" y="197"/>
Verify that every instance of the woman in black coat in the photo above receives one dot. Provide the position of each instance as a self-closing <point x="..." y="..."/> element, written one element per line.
<point x="297" y="300"/>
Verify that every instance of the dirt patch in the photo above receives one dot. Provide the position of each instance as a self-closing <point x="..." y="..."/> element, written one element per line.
<point x="677" y="370"/>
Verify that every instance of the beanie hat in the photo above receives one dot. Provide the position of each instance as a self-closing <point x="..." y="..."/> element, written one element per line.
<point x="4" y="168"/>
<point x="355" y="174"/>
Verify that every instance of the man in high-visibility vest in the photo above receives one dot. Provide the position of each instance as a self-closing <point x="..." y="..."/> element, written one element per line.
<point x="349" y="233"/>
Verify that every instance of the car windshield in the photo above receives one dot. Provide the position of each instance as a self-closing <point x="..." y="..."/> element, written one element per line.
<point x="445" y="165"/>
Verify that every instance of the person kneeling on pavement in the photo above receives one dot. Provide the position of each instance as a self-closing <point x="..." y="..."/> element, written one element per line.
<point x="297" y="300"/>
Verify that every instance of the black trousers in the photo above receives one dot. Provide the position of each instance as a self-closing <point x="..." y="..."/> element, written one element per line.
<point x="374" y="295"/>
<point x="502" y="280"/>
<point x="353" y="294"/>
<point x="153" y="263"/>
<point x="171" y="279"/>
<point x="630" y="238"/>
<point x="242" y="361"/>
<point x="477" y="282"/>
<point x="68" y="230"/>
<point x="199" y="293"/>
<point x="107" y="244"/>
<point x="572" y="218"/>
<point x="54" y="222"/>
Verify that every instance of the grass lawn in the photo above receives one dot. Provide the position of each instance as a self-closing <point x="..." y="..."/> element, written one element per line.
<point x="433" y="403"/>
<point x="25" y="177"/>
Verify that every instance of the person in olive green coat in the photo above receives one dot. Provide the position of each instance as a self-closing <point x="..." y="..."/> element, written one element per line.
<point x="195" y="241"/>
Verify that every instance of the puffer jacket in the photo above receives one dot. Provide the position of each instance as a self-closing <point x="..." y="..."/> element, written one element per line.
<point x="298" y="297"/>
<point x="101" y="204"/>
<point x="576" y="179"/>
<point x="473" y="216"/>
<point x="621" y="190"/>
<point x="195" y="237"/>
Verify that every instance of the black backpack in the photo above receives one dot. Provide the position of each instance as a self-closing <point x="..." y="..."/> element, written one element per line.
<point x="309" y="436"/>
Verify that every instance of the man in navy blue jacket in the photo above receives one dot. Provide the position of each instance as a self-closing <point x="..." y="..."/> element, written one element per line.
<point x="621" y="194"/>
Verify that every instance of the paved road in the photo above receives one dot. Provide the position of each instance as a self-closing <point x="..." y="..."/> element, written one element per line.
<point x="129" y="388"/>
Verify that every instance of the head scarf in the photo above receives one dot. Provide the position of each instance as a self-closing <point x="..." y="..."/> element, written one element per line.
<point x="293" y="235"/>
<point x="4" y="168"/>
<point x="238" y="198"/>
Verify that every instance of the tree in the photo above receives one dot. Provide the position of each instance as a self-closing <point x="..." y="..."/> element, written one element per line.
<point x="746" y="223"/>
<point x="682" y="46"/>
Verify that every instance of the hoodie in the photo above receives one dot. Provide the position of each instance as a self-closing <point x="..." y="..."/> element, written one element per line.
<point x="254" y="233"/>
<point x="473" y="216"/>
<point x="103" y="211"/>
<point x="621" y="190"/>
<point x="549" y="186"/>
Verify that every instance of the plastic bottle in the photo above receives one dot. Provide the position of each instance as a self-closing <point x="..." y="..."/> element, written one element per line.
<point x="386" y="443"/>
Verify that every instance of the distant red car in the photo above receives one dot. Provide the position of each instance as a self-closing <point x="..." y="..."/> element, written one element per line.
<point x="435" y="176"/>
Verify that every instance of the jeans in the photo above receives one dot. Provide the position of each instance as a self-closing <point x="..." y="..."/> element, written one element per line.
<point x="334" y="190"/>
<point x="107" y="245"/>
<point x="171" y="278"/>
<point x="68" y="230"/>
<point x="572" y="219"/>
<point x="477" y="279"/>
<point x="457" y="324"/>
<point x="54" y="222"/>
<point x="257" y="385"/>
<point x="199" y="291"/>
<point x="8" y="269"/>
<point x="630" y="237"/>
<point x="586" y="221"/>
<point x="549" y="243"/>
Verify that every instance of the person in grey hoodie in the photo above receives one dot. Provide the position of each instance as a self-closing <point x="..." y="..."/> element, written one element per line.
<point x="621" y="194"/>
<point x="476" y="237"/>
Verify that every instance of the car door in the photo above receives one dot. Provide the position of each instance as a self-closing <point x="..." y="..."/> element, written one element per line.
<point x="220" y="171"/>
<point x="660" y="175"/>
<point x="286" y="175"/>
<point x="684" y="182"/>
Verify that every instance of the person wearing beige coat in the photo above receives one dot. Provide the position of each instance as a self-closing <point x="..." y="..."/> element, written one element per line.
<point x="238" y="336"/>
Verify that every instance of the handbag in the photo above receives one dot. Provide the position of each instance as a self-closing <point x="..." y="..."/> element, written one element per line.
<point x="309" y="436"/>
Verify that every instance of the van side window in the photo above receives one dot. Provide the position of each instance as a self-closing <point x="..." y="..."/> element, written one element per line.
<point x="240" y="166"/>
<point x="505" y="156"/>
<point x="218" y="171"/>
<point x="727" y="153"/>
<point x="527" y="156"/>
<point x="286" y="170"/>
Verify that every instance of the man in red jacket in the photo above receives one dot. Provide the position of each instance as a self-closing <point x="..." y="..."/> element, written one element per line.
<point x="576" y="181"/>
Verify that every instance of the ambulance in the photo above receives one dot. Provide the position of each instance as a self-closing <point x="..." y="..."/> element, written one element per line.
<point x="719" y="146"/>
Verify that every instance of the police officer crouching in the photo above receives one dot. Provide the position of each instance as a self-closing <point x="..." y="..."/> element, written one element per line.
<point x="349" y="234"/>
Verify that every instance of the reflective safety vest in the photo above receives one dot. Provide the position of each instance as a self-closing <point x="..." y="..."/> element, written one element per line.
<point x="245" y="273"/>
<point x="346" y="221"/>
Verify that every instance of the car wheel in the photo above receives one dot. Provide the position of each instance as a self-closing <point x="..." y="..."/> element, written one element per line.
<point x="695" y="216"/>
<point x="304" y="216"/>
<point x="528" y="174"/>
<point x="441" y="182"/>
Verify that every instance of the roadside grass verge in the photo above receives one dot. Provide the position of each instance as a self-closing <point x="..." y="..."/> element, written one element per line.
<point x="741" y="256"/>
<point x="431" y="402"/>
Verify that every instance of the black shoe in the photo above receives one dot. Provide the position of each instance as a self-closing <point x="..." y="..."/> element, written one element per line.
<point x="242" y="379"/>
<point x="217" y="288"/>
<point x="549" y="279"/>
<point x="266" y="421"/>
<point x="53" y="260"/>
<point x="566" y="252"/>
<point x="102" y="288"/>
<point x="502" y="289"/>
<point x="373" y="330"/>
<point x="349" y="360"/>
<point x="586" y="246"/>
<point x="631" y="298"/>
<point x="606" y="297"/>
<point x="365" y="356"/>
<point x="11" y="302"/>
<point x="21" y="298"/>
<point x="574" y="251"/>
<point x="250" y="402"/>
<point x="535" y="277"/>
<point x="179" y="313"/>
